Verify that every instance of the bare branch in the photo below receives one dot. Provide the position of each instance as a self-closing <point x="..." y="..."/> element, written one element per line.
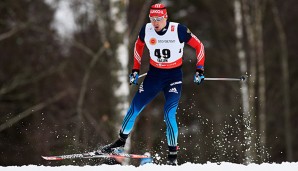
<point x="17" y="82"/>
<point x="33" y="109"/>
<point x="142" y="16"/>
<point x="11" y="32"/>
<point x="85" y="81"/>
<point x="82" y="47"/>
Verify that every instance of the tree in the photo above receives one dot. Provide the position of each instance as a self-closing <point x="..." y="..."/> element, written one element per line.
<point x="243" y="68"/>
<point x="285" y="77"/>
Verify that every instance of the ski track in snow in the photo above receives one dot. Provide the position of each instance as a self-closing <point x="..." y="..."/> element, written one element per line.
<point x="286" y="166"/>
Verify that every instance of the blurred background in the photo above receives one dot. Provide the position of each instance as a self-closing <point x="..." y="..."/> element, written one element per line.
<point x="64" y="68"/>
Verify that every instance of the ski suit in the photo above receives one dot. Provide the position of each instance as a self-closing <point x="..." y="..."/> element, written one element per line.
<point x="165" y="73"/>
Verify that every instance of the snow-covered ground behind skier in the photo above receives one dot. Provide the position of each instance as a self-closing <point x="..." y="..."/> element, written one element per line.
<point x="152" y="167"/>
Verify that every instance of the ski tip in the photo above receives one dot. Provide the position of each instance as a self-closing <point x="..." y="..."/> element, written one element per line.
<point x="51" y="158"/>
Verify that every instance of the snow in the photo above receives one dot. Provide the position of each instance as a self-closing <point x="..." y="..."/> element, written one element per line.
<point x="66" y="14"/>
<point x="64" y="20"/>
<point x="150" y="167"/>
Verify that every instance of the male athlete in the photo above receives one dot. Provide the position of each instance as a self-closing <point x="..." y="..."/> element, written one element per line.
<point x="165" y="41"/>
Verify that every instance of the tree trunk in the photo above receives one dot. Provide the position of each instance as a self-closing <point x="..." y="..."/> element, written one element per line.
<point x="118" y="11"/>
<point x="249" y="118"/>
<point x="285" y="80"/>
<point x="243" y="62"/>
<point x="261" y="78"/>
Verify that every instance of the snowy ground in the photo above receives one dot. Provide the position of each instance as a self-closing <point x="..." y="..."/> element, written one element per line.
<point x="152" y="167"/>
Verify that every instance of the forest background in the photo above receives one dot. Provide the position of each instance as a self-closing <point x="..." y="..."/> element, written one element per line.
<point x="64" y="68"/>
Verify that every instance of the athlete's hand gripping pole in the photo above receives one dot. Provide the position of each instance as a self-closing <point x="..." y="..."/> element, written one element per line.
<point x="199" y="77"/>
<point x="133" y="77"/>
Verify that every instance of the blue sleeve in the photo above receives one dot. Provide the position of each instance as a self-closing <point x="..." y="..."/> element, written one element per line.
<point x="184" y="33"/>
<point x="142" y="33"/>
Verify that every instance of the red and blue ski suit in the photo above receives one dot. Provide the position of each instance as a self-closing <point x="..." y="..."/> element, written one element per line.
<point x="165" y="73"/>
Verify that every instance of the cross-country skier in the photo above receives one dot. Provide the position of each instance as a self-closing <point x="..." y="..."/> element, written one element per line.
<point x="165" y="41"/>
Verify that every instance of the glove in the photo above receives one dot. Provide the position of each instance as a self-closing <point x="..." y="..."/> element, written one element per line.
<point x="199" y="76"/>
<point x="133" y="77"/>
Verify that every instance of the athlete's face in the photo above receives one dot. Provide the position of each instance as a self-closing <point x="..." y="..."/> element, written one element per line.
<point x="158" y="23"/>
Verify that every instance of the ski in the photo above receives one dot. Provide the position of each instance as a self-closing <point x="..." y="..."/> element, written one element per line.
<point x="92" y="155"/>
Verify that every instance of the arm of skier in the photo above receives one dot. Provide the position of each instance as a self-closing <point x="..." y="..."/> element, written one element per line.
<point x="200" y="53"/>
<point x="138" y="53"/>
<point x="186" y="36"/>
<point x="137" y="57"/>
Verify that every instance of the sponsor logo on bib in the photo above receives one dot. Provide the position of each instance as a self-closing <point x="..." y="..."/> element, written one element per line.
<point x="153" y="41"/>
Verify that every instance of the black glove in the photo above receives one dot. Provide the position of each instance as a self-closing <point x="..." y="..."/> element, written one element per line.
<point x="134" y="76"/>
<point x="199" y="76"/>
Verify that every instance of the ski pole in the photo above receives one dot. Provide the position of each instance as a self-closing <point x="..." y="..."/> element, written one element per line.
<point x="242" y="78"/>
<point x="143" y="75"/>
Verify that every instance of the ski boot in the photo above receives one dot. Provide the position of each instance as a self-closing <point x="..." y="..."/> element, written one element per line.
<point x="116" y="147"/>
<point x="111" y="148"/>
<point x="172" y="156"/>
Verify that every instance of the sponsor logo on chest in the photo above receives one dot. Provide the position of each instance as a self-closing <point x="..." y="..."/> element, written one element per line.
<point x="166" y="41"/>
<point x="153" y="41"/>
